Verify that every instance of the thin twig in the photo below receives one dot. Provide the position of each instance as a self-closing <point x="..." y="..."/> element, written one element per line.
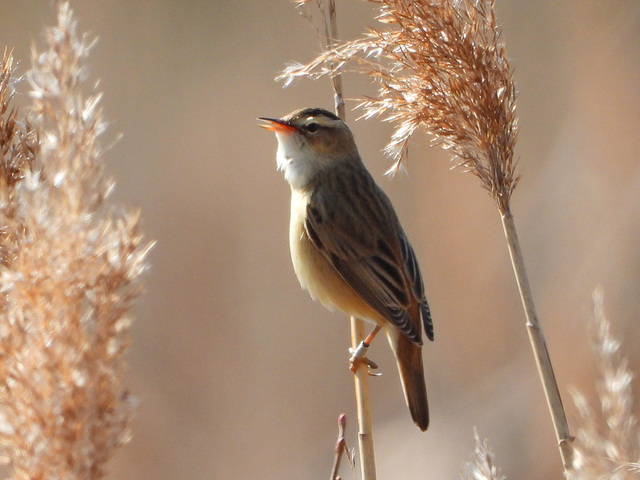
<point x="341" y="448"/>
<point x="336" y="78"/>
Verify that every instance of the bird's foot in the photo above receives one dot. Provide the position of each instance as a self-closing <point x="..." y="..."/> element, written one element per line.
<point x="358" y="357"/>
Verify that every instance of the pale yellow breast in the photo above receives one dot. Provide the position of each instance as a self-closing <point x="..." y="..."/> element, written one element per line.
<point x="315" y="272"/>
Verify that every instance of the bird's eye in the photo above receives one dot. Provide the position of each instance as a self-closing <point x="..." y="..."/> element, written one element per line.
<point x="313" y="127"/>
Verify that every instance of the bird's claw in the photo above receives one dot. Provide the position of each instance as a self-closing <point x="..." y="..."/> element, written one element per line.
<point x="358" y="357"/>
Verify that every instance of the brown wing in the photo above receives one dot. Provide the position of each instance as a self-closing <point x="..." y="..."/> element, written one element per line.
<point x="364" y="242"/>
<point x="413" y="271"/>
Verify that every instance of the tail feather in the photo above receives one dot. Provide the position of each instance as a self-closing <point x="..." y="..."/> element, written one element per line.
<point x="409" y="359"/>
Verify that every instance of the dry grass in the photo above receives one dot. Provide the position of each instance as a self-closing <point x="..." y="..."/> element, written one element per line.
<point x="607" y="445"/>
<point x="70" y="270"/>
<point x="19" y="146"/>
<point x="608" y="439"/>
<point x="481" y="466"/>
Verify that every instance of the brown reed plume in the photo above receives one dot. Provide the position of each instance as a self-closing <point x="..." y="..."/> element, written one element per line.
<point x="19" y="146"/>
<point x="441" y="65"/>
<point x="70" y="270"/>
<point x="443" y="68"/>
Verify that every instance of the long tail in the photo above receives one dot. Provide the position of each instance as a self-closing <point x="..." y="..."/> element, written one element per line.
<point x="409" y="358"/>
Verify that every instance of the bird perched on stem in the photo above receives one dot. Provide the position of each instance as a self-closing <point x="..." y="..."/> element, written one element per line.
<point x="347" y="246"/>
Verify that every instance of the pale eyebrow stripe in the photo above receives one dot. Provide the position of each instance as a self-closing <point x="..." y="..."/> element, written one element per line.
<point x="323" y="121"/>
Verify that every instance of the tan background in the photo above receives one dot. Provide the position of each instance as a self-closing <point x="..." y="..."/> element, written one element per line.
<point x="238" y="373"/>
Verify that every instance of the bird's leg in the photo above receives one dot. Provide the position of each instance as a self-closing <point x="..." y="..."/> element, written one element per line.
<point x="358" y="356"/>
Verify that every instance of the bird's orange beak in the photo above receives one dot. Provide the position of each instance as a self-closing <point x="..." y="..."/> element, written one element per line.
<point x="277" y="125"/>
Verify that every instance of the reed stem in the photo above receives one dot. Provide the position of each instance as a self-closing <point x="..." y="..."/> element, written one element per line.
<point x="538" y="345"/>
<point x="361" y="376"/>
<point x="363" y="404"/>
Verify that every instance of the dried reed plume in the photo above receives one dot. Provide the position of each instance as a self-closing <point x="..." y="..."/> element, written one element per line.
<point x="608" y="441"/>
<point x="441" y="65"/>
<point x="70" y="268"/>
<point x="443" y="68"/>
<point x="19" y="147"/>
<point x="481" y="466"/>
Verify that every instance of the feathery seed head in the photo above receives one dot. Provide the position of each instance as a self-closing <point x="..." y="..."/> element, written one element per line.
<point x="441" y="65"/>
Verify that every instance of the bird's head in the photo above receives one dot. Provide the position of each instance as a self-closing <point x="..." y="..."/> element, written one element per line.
<point x="309" y="141"/>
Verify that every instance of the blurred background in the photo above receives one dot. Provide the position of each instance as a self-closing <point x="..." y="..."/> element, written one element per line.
<point x="237" y="372"/>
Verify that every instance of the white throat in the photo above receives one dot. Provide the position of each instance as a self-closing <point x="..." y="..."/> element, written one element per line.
<point x="295" y="159"/>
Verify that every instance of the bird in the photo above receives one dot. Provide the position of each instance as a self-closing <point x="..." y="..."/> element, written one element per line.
<point x="348" y="248"/>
